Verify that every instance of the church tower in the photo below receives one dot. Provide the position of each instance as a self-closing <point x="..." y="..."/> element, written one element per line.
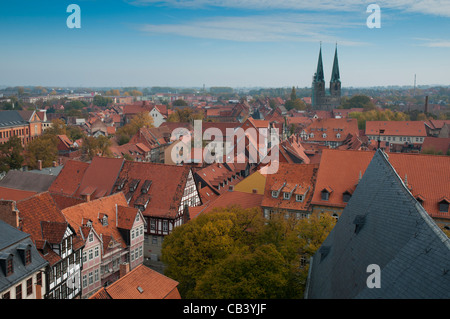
<point x="321" y="98"/>
<point x="318" y="84"/>
<point x="335" y="83"/>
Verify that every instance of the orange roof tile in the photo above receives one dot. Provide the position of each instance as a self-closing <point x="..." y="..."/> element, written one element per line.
<point x="331" y="129"/>
<point x="396" y="128"/>
<point x="69" y="179"/>
<point x="100" y="176"/>
<point x="166" y="190"/>
<point x="140" y="283"/>
<point x="243" y="199"/>
<point x="94" y="211"/>
<point x="425" y="175"/>
<point x="14" y="194"/>
<point x="289" y="178"/>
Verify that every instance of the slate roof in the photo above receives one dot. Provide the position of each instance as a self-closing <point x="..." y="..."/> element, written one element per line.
<point x="397" y="234"/>
<point x="11" y="118"/>
<point x="27" y="181"/>
<point x="12" y="239"/>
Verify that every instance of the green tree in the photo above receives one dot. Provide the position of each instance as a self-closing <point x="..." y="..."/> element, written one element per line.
<point x="293" y="94"/>
<point x="185" y="115"/>
<point x="140" y="120"/>
<point x="179" y="102"/>
<point x="44" y="148"/>
<point x="11" y="156"/>
<point x="236" y="253"/>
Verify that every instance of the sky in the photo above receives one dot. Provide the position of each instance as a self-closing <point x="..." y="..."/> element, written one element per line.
<point x="246" y="43"/>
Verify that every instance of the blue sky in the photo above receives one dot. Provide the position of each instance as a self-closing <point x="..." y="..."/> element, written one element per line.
<point x="234" y="43"/>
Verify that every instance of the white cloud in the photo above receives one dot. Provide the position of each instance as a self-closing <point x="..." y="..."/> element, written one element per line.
<point x="434" y="43"/>
<point x="431" y="7"/>
<point x="268" y="28"/>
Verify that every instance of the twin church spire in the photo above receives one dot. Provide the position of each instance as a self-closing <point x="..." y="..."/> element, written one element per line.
<point x="320" y="98"/>
<point x="319" y="76"/>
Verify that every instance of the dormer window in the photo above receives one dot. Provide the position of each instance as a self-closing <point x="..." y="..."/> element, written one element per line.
<point x="25" y="253"/>
<point x="6" y="261"/>
<point x="346" y="197"/>
<point x="311" y="135"/>
<point x="275" y="194"/>
<point x="299" y="198"/>
<point x="324" y="135"/>
<point x="325" y="195"/>
<point x="338" y="135"/>
<point x="443" y="206"/>
<point x="286" y="195"/>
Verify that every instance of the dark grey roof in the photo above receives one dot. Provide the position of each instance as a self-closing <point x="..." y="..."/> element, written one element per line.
<point x="11" y="118"/>
<point x="11" y="240"/>
<point x="27" y="181"/>
<point x="382" y="224"/>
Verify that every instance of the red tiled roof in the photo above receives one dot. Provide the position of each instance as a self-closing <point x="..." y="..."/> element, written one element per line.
<point x="14" y="194"/>
<point x="69" y="179"/>
<point x="396" y="128"/>
<point x="99" y="178"/>
<point x="94" y="210"/>
<point x="426" y="175"/>
<point x="331" y="127"/>
<point x="166" y="191"/>
<point x="243" y="199"/>
<point x="436" y="144"/>
<point x="140" y="283"/>
<point x="291" y="178"/>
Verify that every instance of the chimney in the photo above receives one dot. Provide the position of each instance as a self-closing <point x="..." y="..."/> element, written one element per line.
<point x="426" y="104"/>
<point x="54" y="164"/>
<point x="124" y="269"/>
<point x="9" y="213"/>
<point x="39" y="165"/>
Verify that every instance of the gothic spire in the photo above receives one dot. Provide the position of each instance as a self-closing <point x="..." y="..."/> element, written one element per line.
<point x="319" y="73"/>
<point x="335" y="77"/>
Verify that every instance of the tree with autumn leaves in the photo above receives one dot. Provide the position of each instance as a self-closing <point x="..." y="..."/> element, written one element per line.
<point x="237" y="253"/>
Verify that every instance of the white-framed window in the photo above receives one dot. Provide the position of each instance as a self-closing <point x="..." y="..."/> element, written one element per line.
<point x="152" y="224"/>
<point x="84" y="256"/>
<point x="91" y="254"/>
<point x="299" y="198"/>
<point x="91" y="278"/>
<point x="96" y="251"/>
<point x="96" y="275"/>
<point x="132" y="234"/>
<point x="275" y="194"/>
<point x="165" y="225"/>
<point x="286" y="195"/>
<point x="91" y="237"/>
<point x="85" y="282"/>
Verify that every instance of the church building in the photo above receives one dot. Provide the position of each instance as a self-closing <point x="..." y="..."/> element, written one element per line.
<point x="321" y="99"/>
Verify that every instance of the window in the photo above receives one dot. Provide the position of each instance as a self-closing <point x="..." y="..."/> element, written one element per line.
<point x="299" y="198"/>
<point x="96" y="275"/>
<point x="443" y="206"/>
<point x="91" y="278"/>
<point x="286" y="195"/>
<point x="19" y="292"/>
<point x="29" y="286"/>
<point x="28" y="256"/>
<point x="346" y="197"/>
<point x="9" y="266"/>
<point x="39" y="279"/>
<point x="325" y="195"/>
<point x="324" y="135"/>
<point x="154" y="240"/>
<point x="165" y="225"/>
<point x="152" y="224"/>
<point x="132" y="234"/>
<point x="91" y="254"/>
<point x="7" y="295"/>
<point x="274" y="194"/>
<point x="84" y="281"/>
<point x="84" y="256"/>
<point x="96" y="251"/>
<point x="91" y="237"/>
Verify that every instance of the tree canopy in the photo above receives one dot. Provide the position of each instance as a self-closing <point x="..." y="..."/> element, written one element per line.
<point x="236" y="253"/>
